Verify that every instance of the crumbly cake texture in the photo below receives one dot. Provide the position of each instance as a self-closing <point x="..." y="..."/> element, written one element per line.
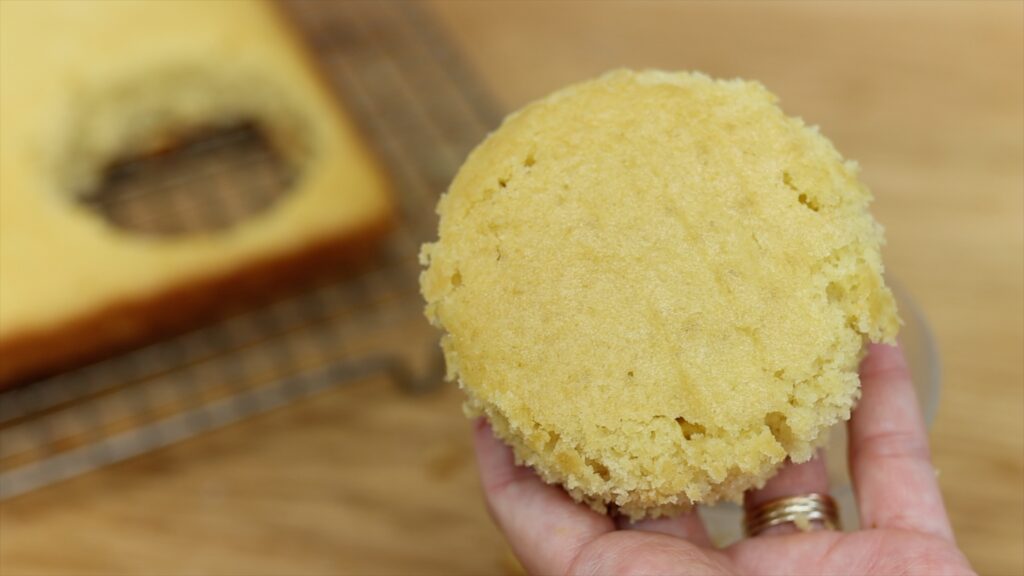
<point x="657" y="286"/>
<point x="84" y="84"/>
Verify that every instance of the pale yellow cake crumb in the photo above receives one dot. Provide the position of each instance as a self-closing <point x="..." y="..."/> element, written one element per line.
<point x="657" y="286"/>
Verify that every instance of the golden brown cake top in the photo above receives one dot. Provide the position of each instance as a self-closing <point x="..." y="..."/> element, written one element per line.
<point x="86" y="83"/>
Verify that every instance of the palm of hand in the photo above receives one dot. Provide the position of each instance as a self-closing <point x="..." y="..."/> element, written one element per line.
<point x="881" y="551"/>
<point x="898" y="499"/>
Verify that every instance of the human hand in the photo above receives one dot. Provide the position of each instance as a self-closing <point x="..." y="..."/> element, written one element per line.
<point x="905" y="529"/>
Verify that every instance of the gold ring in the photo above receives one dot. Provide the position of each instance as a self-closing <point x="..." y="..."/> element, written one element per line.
<point x="801" y="511"/>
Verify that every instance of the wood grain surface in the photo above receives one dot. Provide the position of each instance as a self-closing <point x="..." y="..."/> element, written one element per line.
<point x="927" y="96"/>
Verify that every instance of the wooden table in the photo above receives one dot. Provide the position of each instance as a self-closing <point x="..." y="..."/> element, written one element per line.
<point x="927" y="96"/>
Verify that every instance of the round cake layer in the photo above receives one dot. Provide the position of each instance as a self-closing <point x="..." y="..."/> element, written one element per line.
<point x="657" y="286"/>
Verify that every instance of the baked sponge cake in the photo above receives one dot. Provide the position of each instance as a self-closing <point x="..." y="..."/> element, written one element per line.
<point x="657" y="286"/>
<point x="86" y="83"/>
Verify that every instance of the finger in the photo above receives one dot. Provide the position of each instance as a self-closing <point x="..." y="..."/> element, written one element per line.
<point x="792" y="480"/>
<point x="544" y="526"/>
<point x="687" y="526"/>
<point x="889" y="457"/>
<point x="633" y="552"/>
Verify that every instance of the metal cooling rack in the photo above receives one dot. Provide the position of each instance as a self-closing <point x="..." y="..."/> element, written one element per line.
<point x="421" y="107"/>
<point x="209" y="182"/>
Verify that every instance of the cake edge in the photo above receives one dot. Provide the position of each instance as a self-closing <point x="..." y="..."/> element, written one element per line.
<point x="122" y="326"/>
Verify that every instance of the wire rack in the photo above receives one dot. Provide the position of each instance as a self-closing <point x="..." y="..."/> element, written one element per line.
<point x="205" y="183"/>
<point x="422" y="109"/>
